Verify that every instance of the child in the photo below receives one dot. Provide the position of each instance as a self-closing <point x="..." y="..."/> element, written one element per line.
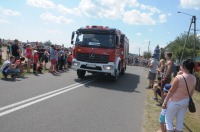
<point x="157" y="89"/>
<point x="28" y="53"/>
<point x="35" y="61"/>
<point x="19" y="64"/>
<point x="162" y="114"/>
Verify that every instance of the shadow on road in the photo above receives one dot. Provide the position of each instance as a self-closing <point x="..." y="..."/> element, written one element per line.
<point x="126" y="83"/>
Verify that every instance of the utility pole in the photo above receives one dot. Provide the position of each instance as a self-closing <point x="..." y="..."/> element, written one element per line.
<point x="148" y="46"/>
<point x="195" y="35"/>
<point x="139" y="51"/>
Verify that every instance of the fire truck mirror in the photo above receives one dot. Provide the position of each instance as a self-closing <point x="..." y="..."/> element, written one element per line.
<point x="72" y="39"/>
<point x="117" y="41"/>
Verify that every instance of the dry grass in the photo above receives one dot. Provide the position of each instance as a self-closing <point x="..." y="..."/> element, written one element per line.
<point x="151" y="121"/>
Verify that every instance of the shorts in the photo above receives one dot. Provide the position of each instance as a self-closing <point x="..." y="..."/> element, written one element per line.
<point x="45" y="59"/>
<point x="158" y="91"/>
<point x="159" y="78"/>
<point x="53" y="61"/>
<point x="165" y="81"/>
<point x="152" y="76"/>
<point x="162" y="119"/>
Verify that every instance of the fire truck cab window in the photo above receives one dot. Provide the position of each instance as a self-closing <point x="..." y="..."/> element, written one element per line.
<point x="95" y="40"/>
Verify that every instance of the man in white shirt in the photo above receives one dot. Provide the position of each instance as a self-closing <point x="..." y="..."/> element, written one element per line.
<point x="153" y="65"/>
<point x="8" y="68"/>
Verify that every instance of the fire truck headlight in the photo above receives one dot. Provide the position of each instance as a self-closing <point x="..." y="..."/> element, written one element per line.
<point x="76" y="64"/>
<point x="108" y="67"/>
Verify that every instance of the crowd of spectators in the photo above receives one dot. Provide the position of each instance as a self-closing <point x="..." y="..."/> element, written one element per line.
<point x="34" y="59"/>
<point x="138" y="61"/>
<point x="174" y="97"/>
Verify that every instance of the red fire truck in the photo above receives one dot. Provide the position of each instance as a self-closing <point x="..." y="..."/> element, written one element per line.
<point x="100" y="49"/>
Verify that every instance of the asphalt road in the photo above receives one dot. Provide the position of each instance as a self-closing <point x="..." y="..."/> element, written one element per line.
<point x="63" y="103"/>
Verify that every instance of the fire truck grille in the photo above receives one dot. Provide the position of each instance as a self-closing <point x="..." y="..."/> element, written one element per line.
<point x="92" y="58"/>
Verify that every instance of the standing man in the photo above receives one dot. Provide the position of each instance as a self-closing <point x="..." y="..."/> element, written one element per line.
<point x="53" y="59"/>
<point x="167" y="74"/>
<point x="15" y="49"/>
<point x="153" y="65"/>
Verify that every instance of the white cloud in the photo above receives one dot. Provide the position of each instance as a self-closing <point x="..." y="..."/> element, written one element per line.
<point x="109" y="9"/>
<point x="4" y="21"/>
<point x="129" y="11"/>
<point x="138" y="34"/>
<point x="64" y="10"/>
<point x="162" y="18"/>
<point x="41" y="3"/>
<point x="9" y="12"/>
<point x="191" y="4"/>
<point x="88" y="8"/>
<point x="151" y="9"/>
<point x="135" y="17"/>
<point x="56" y="19"/>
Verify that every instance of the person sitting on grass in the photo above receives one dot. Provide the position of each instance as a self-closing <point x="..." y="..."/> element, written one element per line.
<point x="8" y="68"/>
<point x="157" y="89"/>
<point x="163" y="111"/>
<point x="19" y="64"/>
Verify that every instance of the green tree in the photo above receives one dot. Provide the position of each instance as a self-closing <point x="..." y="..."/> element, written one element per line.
<point x="147" y="55"/>
<point x="178" y="50"/>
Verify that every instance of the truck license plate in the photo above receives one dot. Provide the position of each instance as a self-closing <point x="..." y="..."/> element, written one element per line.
<point x="91" y="65"/>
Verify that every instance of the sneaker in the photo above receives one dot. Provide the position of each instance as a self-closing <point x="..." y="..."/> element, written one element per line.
<point x="156" y="99"/>
<point x="13" y="76"/>
<point x="159" y="104"/>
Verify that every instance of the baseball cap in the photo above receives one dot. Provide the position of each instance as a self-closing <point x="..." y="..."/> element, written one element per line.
<point x="35" y="51"/>
<point x="166" y="88"/>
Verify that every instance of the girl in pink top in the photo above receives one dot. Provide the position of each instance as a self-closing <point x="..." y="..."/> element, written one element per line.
<point x="177" y="100"/>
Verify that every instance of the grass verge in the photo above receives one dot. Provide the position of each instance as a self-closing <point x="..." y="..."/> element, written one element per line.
<point x="152" y="112"/>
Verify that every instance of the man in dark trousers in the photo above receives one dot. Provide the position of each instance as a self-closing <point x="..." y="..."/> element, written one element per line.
<point x="15" y="49"/>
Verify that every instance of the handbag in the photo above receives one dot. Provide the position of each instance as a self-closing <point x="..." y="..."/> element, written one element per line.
<point x="191" y="106"/>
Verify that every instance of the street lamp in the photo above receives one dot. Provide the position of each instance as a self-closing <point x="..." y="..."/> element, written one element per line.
<point x="192" y="21"/>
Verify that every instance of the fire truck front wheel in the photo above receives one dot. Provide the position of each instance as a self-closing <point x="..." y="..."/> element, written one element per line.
<point x="81" y="73"/>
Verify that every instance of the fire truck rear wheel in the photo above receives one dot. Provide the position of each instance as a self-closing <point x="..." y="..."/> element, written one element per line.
<point x="81" y="73"/>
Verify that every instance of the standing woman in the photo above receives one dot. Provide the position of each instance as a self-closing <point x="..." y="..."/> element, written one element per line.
<point x="45" y="58"/>
<point x="177" y="100"/>
<point x="161" y="68"/>
<point x="28" y="53"/>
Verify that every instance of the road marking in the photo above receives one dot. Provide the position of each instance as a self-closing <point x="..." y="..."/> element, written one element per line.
<point x="37" y="99"/>
<point x="39" y="96"/>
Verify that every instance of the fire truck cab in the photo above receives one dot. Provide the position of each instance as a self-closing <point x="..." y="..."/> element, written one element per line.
<point x="100" y="49"/>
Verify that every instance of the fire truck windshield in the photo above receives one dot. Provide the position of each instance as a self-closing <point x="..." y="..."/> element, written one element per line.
<point x="95" y="40"/>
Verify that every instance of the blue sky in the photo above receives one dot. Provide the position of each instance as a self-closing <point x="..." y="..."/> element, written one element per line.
<point x="142" y="21"/>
